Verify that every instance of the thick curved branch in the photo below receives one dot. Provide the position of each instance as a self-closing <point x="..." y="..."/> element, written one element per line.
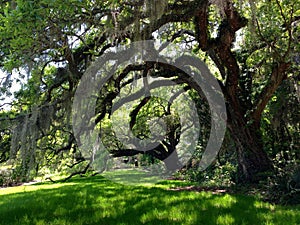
<point x="233" y="22"/>
<point x="134" y="113"/>
<point x="176" y="13"/>
<point x="201" y="27"/>
<point x="159" y="152"/>
<point x="277" y="76"/>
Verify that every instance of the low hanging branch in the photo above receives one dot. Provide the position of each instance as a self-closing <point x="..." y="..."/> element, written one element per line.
<point x="81" y="172"/>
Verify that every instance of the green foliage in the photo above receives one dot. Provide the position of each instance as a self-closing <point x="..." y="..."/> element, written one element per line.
<point x="215" y="176"/>
<point x="54" y="42"/>
<point x="12" y="176"/>
<point x="280" y="127"/>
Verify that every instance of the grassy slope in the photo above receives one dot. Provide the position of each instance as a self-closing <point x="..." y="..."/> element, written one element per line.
<point x="99" y="201"/>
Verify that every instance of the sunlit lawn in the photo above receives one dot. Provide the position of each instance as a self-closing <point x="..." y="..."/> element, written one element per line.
<point x="97" y="200"/>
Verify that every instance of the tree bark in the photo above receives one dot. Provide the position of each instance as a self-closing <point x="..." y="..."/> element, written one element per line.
<point x="253" y="162"/>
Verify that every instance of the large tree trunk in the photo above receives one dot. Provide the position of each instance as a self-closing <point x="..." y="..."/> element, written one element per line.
<point x="253" y="162"/>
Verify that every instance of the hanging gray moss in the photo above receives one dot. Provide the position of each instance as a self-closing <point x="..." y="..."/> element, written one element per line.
<point x="27" y="129"/>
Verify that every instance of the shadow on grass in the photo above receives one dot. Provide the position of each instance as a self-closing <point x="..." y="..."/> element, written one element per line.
<point x="96" y="200"/>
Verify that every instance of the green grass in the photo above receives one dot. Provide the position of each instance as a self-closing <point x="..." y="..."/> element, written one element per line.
<point x="96" y="200"/>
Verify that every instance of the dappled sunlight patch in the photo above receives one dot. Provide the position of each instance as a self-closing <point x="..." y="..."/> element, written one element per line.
<point x="60" y="211"/>
<point x="225" y="201"/>
<point x="109" y="211"/>
<point x="28" y="188"/>
<point x="173" y="215"/>
<point x="225" y="219"/>
<point x="174" y="184"/>
<point x="132" y="177"/>
<point x="264" y="205"/>
<point x="176" y="214"/>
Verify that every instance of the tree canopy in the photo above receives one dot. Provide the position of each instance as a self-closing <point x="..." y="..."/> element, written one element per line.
<point x="252" y="48"/>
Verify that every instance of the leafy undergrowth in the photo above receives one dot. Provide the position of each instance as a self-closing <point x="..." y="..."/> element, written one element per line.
<point x="96" y="200"/>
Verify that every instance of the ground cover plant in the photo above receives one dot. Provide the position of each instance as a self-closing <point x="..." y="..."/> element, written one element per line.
<point x="97" y="200"/>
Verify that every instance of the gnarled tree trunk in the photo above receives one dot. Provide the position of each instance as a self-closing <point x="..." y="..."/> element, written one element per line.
<point x="243" y="116"/>
<point x="253" y="161"/>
